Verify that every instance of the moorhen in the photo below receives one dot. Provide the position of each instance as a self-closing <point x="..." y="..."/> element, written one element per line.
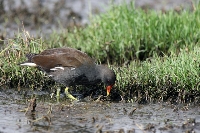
<point x="71" y="67"/>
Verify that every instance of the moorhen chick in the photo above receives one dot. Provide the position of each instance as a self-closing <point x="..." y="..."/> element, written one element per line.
<point x="71" y="67"/>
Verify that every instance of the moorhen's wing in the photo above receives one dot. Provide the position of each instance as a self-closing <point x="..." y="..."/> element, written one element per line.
<point x="61" y="57"/>
<point x="47" y="62"/>
<point x="69" y="52"/>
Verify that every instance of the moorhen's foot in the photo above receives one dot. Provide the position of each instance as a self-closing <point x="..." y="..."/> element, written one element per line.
<point x="69" y="95"/>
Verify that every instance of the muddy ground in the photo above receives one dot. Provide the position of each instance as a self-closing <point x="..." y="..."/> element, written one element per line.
<point x="93" y="116"/>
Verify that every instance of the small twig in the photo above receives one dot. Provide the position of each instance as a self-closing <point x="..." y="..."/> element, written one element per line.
<point x="32" y="104"/>
<point x="99" y="130"/>
<point x="98" y="99"/>
<point x="50" y="110"/>
<point x="46" y="118"/>
<point x="132" y="111"/>
<point x="140" y="127"/>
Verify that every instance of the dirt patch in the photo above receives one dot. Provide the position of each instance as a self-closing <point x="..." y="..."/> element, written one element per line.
<point x="94" y="116"/>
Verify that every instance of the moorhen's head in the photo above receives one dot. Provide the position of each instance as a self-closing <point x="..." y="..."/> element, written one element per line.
<point x="108" y="77"/>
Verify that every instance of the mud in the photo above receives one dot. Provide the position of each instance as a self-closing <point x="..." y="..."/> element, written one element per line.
<point x="91" y="116"/>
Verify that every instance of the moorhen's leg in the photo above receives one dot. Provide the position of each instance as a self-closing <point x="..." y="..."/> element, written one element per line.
<point x="58" y="94"/>
<point x="69" y="95"/>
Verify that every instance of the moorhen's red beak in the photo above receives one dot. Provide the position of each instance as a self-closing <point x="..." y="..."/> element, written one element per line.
<point x="108" y="88"/>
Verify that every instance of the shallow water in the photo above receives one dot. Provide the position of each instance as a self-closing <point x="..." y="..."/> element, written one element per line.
<point x="95" y="116"/>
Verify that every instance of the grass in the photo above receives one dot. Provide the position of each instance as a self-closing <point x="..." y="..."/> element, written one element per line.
<point x="165" y="77"/>
<point x="155" y="55"/>
<point x="126" y="33"/>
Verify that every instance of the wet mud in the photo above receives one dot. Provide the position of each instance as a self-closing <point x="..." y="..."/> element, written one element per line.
<point x="89" y="116"/>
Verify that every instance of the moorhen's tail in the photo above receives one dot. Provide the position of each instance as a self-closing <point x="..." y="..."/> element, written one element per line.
<point x="29" y="62"/>
<point x="30" y="56"/>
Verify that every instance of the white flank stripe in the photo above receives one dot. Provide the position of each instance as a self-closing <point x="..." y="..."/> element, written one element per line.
<point x="53" y="69"/>
<point x="56" y="68"/>
<point x="73" y="68"/>
<point x="29" y="64"/>
<point x="59" y="68"/>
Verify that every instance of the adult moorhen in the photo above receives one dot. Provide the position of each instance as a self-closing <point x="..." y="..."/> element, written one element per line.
<point x="70" y="67"/>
